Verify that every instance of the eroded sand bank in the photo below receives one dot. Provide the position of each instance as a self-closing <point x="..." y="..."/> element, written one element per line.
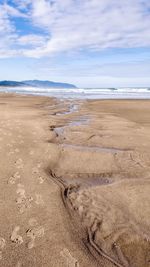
<point x="75" y="182"/>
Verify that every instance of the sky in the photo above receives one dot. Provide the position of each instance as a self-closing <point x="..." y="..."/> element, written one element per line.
<point x="90" y="43"/>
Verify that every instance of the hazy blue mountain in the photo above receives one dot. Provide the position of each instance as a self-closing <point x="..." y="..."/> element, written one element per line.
<point x="37" y="83"/>
<point x="11" y="83"/>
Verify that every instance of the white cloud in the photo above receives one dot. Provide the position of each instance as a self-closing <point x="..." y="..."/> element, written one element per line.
<point x="11" y="43"/>
<point x="11" y="11"/>
<point x="7" y="33"/>
<point x="91" y="24"/>
<point x="31" y="40"/>
<point x="22" y="4"/>
<point x="71" y="25"/>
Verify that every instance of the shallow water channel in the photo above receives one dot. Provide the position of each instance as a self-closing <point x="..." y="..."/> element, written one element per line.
<point x="85" y="179"/>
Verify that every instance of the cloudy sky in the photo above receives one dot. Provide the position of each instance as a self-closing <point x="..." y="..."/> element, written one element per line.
<point x="91" y="43"/>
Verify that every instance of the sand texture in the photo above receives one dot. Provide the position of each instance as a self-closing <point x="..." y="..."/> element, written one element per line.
<point x="74" y="182"/>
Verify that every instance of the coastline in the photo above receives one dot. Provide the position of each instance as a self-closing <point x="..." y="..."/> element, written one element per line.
<point x="45" y="143"/>
<point x="83" y="93"/>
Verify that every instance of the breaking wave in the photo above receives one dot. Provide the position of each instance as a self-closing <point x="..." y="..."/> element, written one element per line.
<point x="85" y="93"/>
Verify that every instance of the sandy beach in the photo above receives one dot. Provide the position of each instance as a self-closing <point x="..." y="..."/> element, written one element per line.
<point x="74" y="182"/>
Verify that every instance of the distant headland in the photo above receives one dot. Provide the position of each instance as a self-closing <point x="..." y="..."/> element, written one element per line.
<point x="36" y="83"/>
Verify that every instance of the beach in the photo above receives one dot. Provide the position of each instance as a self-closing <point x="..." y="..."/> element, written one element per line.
<point x="74" y="182"/>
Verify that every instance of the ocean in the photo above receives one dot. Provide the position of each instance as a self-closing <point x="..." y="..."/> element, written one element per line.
<point x="84" y="93"/>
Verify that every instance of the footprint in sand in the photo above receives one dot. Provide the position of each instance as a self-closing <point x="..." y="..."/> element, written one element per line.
<point x="15" y="237"/>
<point x="19" y="163"/>
<point x="19" y="264"/>
<point x="9" y="145"/>
<point x="21" y="190"/>
<point x="22" y="201"/>
<point x="70" y="260"/>
<point x="11" y="152"/>
<point x="33" y="222"/>
<point x="35" y="170"/>
<point x="2" y="246"/>
<point x="31" y="153"/>
<point x="34" y="233"/>
<point x="16" y="150"/>
<point x="14" y="178"/>
<point x="21" y="142"/>
<point x="40" y="180"/>
<point x="39" y="165"/>
<point x="39" y="199"/>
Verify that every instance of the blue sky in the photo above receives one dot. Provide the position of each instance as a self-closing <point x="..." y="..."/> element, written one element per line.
<point x="91" y="43"/>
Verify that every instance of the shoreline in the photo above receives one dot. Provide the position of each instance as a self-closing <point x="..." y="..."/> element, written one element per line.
<point x="3" y="93"/>
<point x="91" y="181"/>
<point x="78" y="96"/>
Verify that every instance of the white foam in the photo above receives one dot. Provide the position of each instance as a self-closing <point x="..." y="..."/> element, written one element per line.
<point x="85" y="93"/>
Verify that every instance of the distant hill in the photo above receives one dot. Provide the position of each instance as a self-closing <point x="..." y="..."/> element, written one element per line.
<point x="11" y="83"/>
<point x="36" y="83"/>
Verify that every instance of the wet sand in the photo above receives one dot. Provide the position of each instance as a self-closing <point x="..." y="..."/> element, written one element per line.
<point x="74" y="182"/>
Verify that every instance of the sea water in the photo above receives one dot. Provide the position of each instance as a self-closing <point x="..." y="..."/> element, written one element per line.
<point x="84" y="93"/>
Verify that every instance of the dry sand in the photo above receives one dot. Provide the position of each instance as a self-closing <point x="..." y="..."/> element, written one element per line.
<point x="74" y="182"/>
